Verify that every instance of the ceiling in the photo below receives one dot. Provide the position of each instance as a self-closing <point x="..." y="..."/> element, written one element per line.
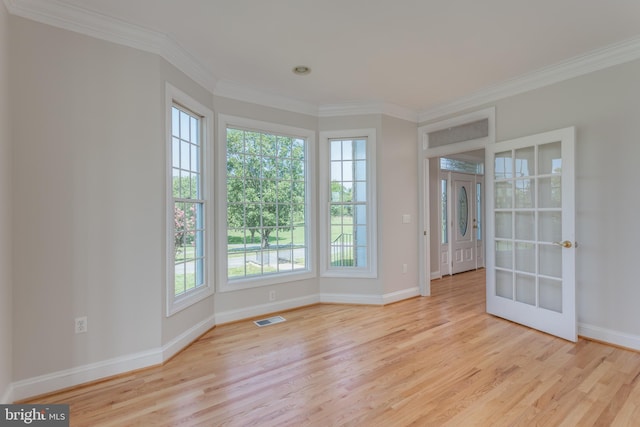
<point x="414" y="54"/>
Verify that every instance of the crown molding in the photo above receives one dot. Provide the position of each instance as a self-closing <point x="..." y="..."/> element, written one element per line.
<point x="237" y="91"/>
<point x="63" y="15"/>
<point x="93" y="24"/>
<point x="614" y="54"/>
<point x="373" y="107"/>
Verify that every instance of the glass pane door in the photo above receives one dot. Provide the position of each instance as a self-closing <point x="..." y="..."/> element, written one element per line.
<point x="530" y="266"/>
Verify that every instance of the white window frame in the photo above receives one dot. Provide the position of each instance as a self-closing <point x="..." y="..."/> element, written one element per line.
<point x="224" y="284"/>
<point x="326" y="270"/>
<point x="174" y="304"/>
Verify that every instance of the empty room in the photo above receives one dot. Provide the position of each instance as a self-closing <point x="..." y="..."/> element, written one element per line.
<point x="356" y="212"/>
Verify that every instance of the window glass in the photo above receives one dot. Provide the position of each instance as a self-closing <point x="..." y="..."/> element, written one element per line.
<point x="266" y="204"/>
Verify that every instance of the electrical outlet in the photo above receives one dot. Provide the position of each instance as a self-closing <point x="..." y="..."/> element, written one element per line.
<point x="272" y="295"/>
<point x="81" y="325"/>
<point x="404" y="268"/>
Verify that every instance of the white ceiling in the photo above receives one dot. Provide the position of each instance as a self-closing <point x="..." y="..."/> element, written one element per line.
<point x="415" y="54"/>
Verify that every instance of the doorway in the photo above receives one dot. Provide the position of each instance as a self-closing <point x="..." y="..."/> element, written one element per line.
<point x="460" y="208"/>
<point x="463" y="134"/>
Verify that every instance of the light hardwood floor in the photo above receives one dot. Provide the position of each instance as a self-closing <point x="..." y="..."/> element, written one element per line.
<point x="429" y="361"/>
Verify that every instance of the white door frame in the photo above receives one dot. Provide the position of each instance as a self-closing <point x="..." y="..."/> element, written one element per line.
<point x="424" y="154"/>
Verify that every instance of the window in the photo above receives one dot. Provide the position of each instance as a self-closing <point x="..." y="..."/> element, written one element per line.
<point x="456" y="165"/>
<point x="348" y="198"/>
<point x="187" y="223"/>
<point x="267" y="203"/>
<point x="444" y="207"/>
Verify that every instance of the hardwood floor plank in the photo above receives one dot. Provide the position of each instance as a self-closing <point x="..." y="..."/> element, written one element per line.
<point x="431" y="361"/>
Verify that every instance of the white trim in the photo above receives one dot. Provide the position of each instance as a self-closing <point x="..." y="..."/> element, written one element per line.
<point x="7" y="396"/>
<point x="608" y="56"/>
<point x="436" y="275"/>
<point x="262" y="309"/>
<point x="233" y="90"/>
<point x="609" y="336"/>
<point x="100" y="26"/>
<point x="371" y="271"/>
<point x="175" y="304"/>
<point x="360" y="299"/>
<point x="107" y="368"/>
<point x="82" y="374"/>
<point x="225" y="121"/>
<point x="182" y="341"/>
<point x="367" y="107"/>
<point x="400" y="295"/>
<point x="351" y="299"/>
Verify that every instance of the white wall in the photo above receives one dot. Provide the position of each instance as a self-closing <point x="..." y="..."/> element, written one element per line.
<point x="6" y="192"/>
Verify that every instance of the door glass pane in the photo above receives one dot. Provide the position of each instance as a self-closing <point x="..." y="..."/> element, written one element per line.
<point x="551" y="260"/>
<point x="479" y="211"/>
<point x="550" y="294"/>
<point x="525" y="193"/>
<point x="550" y="192"/>
<point x="503" y="165"/>
<point x="550" y="226"/>
<point x="463" y="211"/>
<point x="504" y="254"/>
<point x="504" y="195"/>
<point x="549" y="159"/>
<point x="525" y="225"/>
<point x="503" y="225"/>
<point x="525" y="162"/>
<point x="526" y="289"/>
<point x="525" y="257"/>
<point x="504" y="284"/>
<point x="444" y="230"/>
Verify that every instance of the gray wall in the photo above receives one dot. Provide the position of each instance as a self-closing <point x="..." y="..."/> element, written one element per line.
<point x="398" y="195"/>
<point x="605" y="108"/>
<point x="6" y="192"/>
<point x="89" y="198"/>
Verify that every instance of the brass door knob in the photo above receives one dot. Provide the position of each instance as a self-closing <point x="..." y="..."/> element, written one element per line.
<point x="564" y="244"/>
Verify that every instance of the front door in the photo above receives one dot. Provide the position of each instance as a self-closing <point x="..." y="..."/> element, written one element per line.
<point x="463" y="247"/>
<point x="531" y="232"/>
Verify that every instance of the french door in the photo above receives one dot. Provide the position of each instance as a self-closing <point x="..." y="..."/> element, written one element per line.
<point x="531" y="246"/>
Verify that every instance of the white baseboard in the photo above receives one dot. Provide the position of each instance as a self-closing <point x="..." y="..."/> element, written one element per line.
<point x="259" y="310"/>
<point x="401" y="295"/>
<point x="7" y="396"/>
<point x="351" y="299"/>
<point x="180" y="342"/>
<point x="435" y="275"/>
<point x="94" y="371"/>
<point x="370" y="299"/>
<point x="83" y="374"/>
<point x="609" y="336"/>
